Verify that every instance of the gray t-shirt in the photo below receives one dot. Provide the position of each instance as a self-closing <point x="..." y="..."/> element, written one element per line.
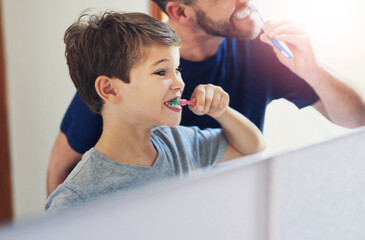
<point x="180" y="151"/>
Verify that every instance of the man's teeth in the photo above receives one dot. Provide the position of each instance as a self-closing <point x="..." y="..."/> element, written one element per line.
<point x="169" y="104"/>
<point x="245" y="13"/>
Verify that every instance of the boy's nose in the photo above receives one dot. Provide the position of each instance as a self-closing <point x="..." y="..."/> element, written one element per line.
<point x="177" y="83"/>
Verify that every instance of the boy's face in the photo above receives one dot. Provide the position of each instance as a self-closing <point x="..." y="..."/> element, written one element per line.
<point x="154" y="81"/>
<point x="227" y="18"/>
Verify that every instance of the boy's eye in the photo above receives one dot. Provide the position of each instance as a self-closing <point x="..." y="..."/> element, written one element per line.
<point x="160" y="73"/>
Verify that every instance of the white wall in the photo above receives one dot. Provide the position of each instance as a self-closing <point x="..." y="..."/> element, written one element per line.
<point x="39" y="87"/>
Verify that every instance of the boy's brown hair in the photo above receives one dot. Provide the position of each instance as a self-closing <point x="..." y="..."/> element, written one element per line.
<point x="109" y="44"/>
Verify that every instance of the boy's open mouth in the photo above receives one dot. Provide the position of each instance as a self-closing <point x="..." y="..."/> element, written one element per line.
<point x="169" y="104"/>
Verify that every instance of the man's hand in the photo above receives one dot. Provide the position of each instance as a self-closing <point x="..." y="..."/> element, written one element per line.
<point x="304" y="63"/>
<point x="341" y="101"/>
<point x="210" y="99"/>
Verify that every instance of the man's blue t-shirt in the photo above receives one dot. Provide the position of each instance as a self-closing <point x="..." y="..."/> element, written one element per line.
<point x="247" y="70"/>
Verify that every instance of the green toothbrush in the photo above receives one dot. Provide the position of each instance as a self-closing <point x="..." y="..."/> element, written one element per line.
<point x="183" y="102"/>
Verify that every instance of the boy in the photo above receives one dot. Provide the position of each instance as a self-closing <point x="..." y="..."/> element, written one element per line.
<point x="216" y="49"/>
<point x="126" y="67"/>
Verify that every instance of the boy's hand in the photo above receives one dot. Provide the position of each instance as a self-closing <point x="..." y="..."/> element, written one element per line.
<point x="210" y="99"/>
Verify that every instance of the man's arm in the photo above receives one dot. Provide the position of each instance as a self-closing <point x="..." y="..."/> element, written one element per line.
<point x="63" y="159"/>
<point x="340" y="101"/>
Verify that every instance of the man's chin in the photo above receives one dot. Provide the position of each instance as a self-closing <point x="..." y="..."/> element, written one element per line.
<point x="249" y="33"/>
<point x="250" y="36"/>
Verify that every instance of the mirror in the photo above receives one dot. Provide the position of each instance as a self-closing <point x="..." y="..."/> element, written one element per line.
<point x="39" y="89"/>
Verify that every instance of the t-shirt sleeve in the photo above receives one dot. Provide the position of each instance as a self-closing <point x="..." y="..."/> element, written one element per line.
<point x="205" y="146"/>
<point x="81" y="126"/>
<point x="286" y="84"/>
<point x="62" y="199"/>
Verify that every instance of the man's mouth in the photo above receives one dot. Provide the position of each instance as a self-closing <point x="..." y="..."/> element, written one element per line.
<point x="244" y="13"/>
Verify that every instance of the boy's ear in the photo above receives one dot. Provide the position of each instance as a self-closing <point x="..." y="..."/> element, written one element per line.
<point x="180" y="12"/>
<point x="107" y="88"/>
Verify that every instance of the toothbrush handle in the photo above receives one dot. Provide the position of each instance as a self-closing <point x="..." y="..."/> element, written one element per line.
<point x="276" y="43"/>
<point x="184" y="102"/>
<point x="279" y="46"/>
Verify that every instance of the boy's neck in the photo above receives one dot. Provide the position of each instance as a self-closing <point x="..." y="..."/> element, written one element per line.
<point x="126" y="144"/>
<point x="196" y="45"/>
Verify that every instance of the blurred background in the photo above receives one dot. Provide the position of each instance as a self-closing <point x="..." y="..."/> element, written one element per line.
<point x="38" y="87"/>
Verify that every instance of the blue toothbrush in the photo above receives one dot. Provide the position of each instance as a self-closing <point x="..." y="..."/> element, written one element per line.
<point x="279" y="45"/>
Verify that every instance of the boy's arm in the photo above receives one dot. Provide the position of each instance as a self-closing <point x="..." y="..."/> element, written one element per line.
<point x="243" y="136"/>
<point x="63" y="159"/>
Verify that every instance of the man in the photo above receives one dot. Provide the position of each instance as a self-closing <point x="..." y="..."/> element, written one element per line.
<point x="220" y="45"/>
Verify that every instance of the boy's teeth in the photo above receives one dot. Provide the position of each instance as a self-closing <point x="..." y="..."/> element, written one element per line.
<point x="169" y="104"/>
